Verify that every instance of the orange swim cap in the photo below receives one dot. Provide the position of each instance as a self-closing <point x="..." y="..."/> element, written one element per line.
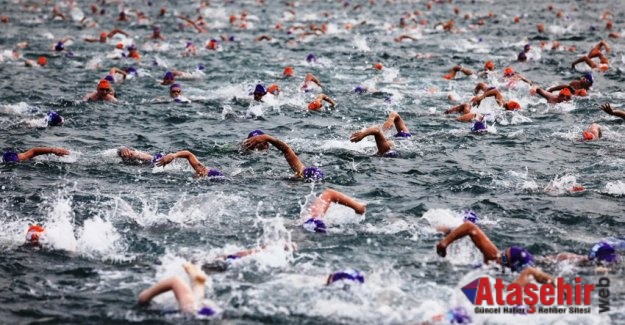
<point x="588" y="136"/>
<point x="489" y="65"/>
<point x="581" y="93"/>
<point x="517" y="19"/>
<point x="578" y="188"/>
<point x="512" y="105"/>
<point x="288" y="72"/>
<point x="104" y="84"/>
<point x="42" y="61"/>
<point x="604" y="67"/>
<point x="314" y="105"/>
<point x="120" y="46"/>
<point x="103" y="35"/>
<point x="33" y="233"/>
<point x="565" y="92"/>
<point x="378" y="66"/>
<point x="448" y="76"/>
<point x="134" y="55"/>
<point x="508" y="72"/>
<point x="274" y="89"/>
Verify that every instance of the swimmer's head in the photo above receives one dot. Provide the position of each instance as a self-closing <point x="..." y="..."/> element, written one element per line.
<point x="42" y="61"/>
<point x="459" y="315"/>
<point x="315" y="225"/>
<point x="522" y="57"/>
<point x="104" y="87"/>
<point x="588" y="77"/>
<point x="403" y="134"/>
<point x="508" y="72"/>
<point x="518" y="258"/>
<point x="273" y="89"/>
<point x="189" y="44"/>
<point x="214" y="173"/>
<point x="360" y="90"/>
<point x="33" y="234"/>
<point x="54" y="119"/>
<point x="156" y="29"/>
<point x="206" y="311"/>
<point x="175" y="90"/>
<point x="212" y="44"/>
<point x="10" y="156"/>
<point x="288" y="72"/>
<point x="512" y="105"/>
<point x="378" y="66"/>
<point x="103" y="35"/>
<point x="259" y="92"/>
<point x="231" y="38"/>
<point x="59" y="46"/>
<point x="581" y="93"/>
<point x="255" y="133"/>
<point x="603" y="253"/>
<point x="479" y="127"/>
<point x="168" y="78"/>
<point x="131" y="70"/>
<point x="311" y="58"/>
<point x="119" y="46"/>
<point x="565" y="93"/>
<point x="489" y="65"/>
<point x="527" y="47"/>
<point x="313" y="174"/>
<point x="109" y="78"/>
<point x="470" y="215"/>
<point x="157" y="156"/>
<point x="346" y="275"/>
<point x="314" y="105"/>
<point x="201" y="67"/>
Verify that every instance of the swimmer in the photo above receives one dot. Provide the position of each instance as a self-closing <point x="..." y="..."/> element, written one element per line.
<point x="11" y="156"/>
<point x="133" y="156"/>
<point x="518" y="259"/>
<point x="345" y="275"/>
<point x="54" y="119"/>
<point x="522" y="57"/>
<point x="288" y="72"/>
<point x="156" y="34"/>
<point x="104" y="92"/>
<point x="34" y="234"/>
<point x="258" y="141"/>
<point x="452" y="74"/>
<point x="133" y="52"/>
<point x="259" y="92"/>
<point x="595" y="52"/>
<point x="384" y="146"/>
<point x="564" y="95"/>
<point x="189" y="50"/>
<point x="190" y="21"/>
<point x="175" y="92"/>
<point x="584" y="82"/>
<point x="593" y="132"/>
<point x="104" y="35"/>
<point x="200" y="170"/>
<point x="510" y="105"/>
<point x="41" y="62"/>
<point x="308" y="79"/>
<point x="512" y="76"/>
<point x="221" y="263"/>
<point x="602" y="253"/>
<point x="170" y="77"/>
<point x="457" y="315"/>
<point x="464" y="109"/>
<point x="111" y="77"/>
<point x="60" y="45"/>
<point x="608" y="109"/>
<point x="189" y="297"/>
<point x="316" y="104"/>
<point x="319" y="207"/>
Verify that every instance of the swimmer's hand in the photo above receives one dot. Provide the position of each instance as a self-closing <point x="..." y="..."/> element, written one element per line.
<point x="60" y="152"/>
<point x="475" y="101"/>
<point x="252" y="142"/>
<point x="165" y="160"/>
<point x="607" y="108"/>
<point x="441" y="250"/>
<point x="357" y="136"/>
<point x="125" y="153"/>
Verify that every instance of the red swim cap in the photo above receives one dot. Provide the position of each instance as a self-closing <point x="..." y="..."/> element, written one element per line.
<point x="42" y="61"/>
<point x="104" y="84"/>
<point x="489" y="65"/>
<point x="314" y="105"/>
<point x="378" y="66"/>
<point x="103" y="35"/>
<point x="588" y="136"/>
<point x="33" y="233"/>
<point x="508" y="72"/>
<point x="512" y="105"/>
<point x="581" y="93"/>
<point x="120" y="46"/>
<point x="274" y="89"/>
<point x="565" y="92"/>
<point x="288" y="72"/>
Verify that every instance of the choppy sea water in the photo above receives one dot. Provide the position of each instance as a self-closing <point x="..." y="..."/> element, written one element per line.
<point x="115" y="229"/>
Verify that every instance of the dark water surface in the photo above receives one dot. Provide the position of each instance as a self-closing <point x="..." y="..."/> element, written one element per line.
<point x="115" y="229"/>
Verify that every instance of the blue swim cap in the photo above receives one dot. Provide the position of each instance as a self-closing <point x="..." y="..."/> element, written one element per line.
<point x="602" y="252"/>
<point x="360" y="90"/>
<point x="231" y="38"/>
<point x="346" y="275"/>
<point x="527" y="47"/>
<point x="260" y="90"/>
<point x="214" y="173"/>
<point x="391" y="154"/>
<point x="59" y="46"/>
<point x="388" y="99"/>
<point x="522" y="57"/>
<point x="255" y="133"/>
<point x="200" y="66"/>
<point x="233" y="257"/>
<point x="311" y="58"/>
<point x="458" y="315"/>
<point x="588" y="76"/>
<point x="403" y="134"/>
<point x="10" y="156"/>
<point x="132" y="47"/>
<point x="479" y="127"/>
<point x="470" y="215"/>
<point x="520" y="258"/>
<point x="189" y="43"/>
<point x="54" y="119"/>
<point x="109" y="78"/>
<point x="156" y="157"/>
<point x="206" y="311"/>
<point x="169" y="75"/>
<point x="313" y="174"/>
<point x="174" y="86"/>
<point x="156" y="29"/>
<point x="132" y="70"/>
<point x="315" y="225"/>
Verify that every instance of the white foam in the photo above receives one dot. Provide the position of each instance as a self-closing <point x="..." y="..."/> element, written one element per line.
<point x="615" y="188"/>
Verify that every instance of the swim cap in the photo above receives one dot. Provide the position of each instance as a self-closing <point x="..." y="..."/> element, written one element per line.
<point x="260" y="90"/>
<point x="69" y="54"/>
<point x="403" y="134"/>
<point x="175" y="86"/>
<point x="156" y="29"/>
<point x="189" y="43"/>
<point x="522" y="57"/>
<point x="10" y="156"/>
<point x="54" y="119"/>
<point x="311" y="58"/>
<point x="313" y="174"/>
<point x="103" y="35"/>
<point x="458" y="315"/>
<point x="59" y="46"/>
<point x="314" y="105"/>
<point x="588" y="76"/>
<point x="391" y="154"/>
<point x="109" y="78"/>
<point x="508" y="72"/>
<point x="214" y="173"/>
<point x="255" y="133"/>
<point x="346" y="275"/>
<point x="132" y="47"/>
<point x="360" y="90"/>
<point x="273" y="89"/>
<point x="470" y="215"/>
<point x="581" y="93"/>
<point x="104" y="84"/>
<point x="520" y="258"/>
<point x="315" y="225"/>
<point x="512" y="105"/>
<point x="231" y="38"/>
<point x="388" y="99"/>
<point x="132" y="70"/>
<point x="120" y="46"/>
<point x="233" y="257"/>
<point x="212" y="44"/>
<point x="603" y="252"/>
<point x="201" y="67"/>
<point x="33" y="233"/>
<point x="479" y="127"/>
<point x="206" y="311"/>
<point x="489" y="65"/>
<point x="42" y="61"/>
<point x="527" y="47"/>
<point x="156" y="157"/>
<point x="288" y="72"/>
<point x="565" y="92"/>
<point x="587" y="136"/>
<point x="378" y="66"/>
<point x="169" y="76"/>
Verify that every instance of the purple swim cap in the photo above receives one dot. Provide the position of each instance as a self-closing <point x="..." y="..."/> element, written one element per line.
<point x="311" y="58"/>
<point x="313" y="174"/>
<point x="175" y="86"/>
<point x="131" y="70"/>
<point x="315" y="225"/>
<point x="54" y="119"/>
<point x="214" y="173"/>
<point x="522" y="57"/>
<point x="459" y="315"/>
<point x="109" y="78"/>
<point x="156" y="29"/>
<point x="189" y="43"/>
<point x="470" y="215"/>
<point x="588" y="76"/>
<point x="603" y="252"/>
<point x="479" y="127"/>
<point x="346" y="275"/>
<point x="200" y="67"/>
<point x="10" y="156"/>
<point x="255" y="133"/>
<point x="231" y="38"/>
<point x="206" y="311"/>
<point x="260" y="90"/>
<point x="157" y="156"/>
<point x="59" y="46"/>
<point x="527" y="47"/>
<point x="391" y="154"/>
<point x="403" y="134"/>
<point x="360" y="90"/>
<point x="169" y="76"/>
<point x="520" y="258"/>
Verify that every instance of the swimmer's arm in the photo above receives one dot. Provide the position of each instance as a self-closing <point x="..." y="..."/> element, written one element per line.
<point x="608" y="109"/>
<point x="34" y="152"/>
<point x="603" y="44"/>
<point x="327" y="99"/>
<point x="491" y="93"/>
<point x="560" y="87"/>
<point x="67" y="38"/>
<point x="530" y="272"/>
<point x="403" y="37"/>
<point x="333" y="196"/>
<point x="310" y="77"/>
<point x="110" y="98"/>
<point x="479" y="238"/>
<point x="91" y="40"/>
<point x="117" y="70"/>
<point x="296" y="165"/>
<point x="117" y="31"/>
<point x="529" y="82"/>
<point x="200" y="169"/>
<point x="546" y="95"/>
<point x="380" y="141"/>
<point x="395" y="119"/>
<point x="198" y="28"/>
<point x="126" y="153"/>
<point x="462" y="108"/>
<point x="263" y="38"/>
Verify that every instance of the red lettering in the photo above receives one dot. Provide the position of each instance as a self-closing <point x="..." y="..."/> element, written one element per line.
<point x="578" y="288"/>
<point x="515" y="294"/>
<point x="546" y="294"/>
<point x="531" y="298"/>
<point x="531" y="309"/>
<point x="483" y="292"/>
<point x="499" y="286"/>
<point x="588" y="289"/>
<point x="564" y="291"/>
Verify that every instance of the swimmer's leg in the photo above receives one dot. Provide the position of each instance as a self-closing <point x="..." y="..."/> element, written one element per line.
<point x="182" y="291"/>
<point x="394" y="118"/>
